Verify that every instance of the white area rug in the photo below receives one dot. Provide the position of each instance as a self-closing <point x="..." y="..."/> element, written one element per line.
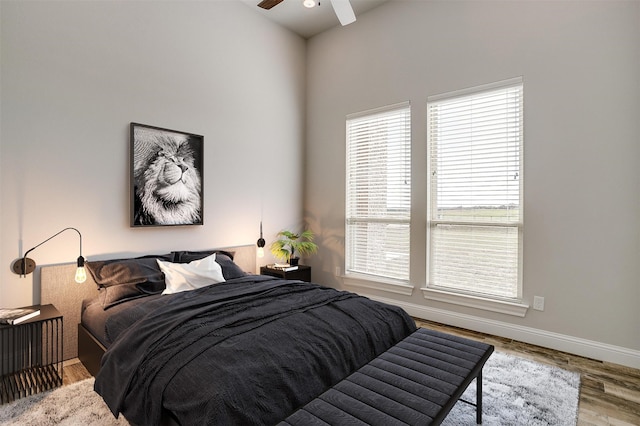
<point x="72" y="405"/>
<point x="516" y="391"/>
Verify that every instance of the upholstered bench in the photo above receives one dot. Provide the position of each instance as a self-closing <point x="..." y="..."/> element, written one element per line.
<point x="415" y="382"/>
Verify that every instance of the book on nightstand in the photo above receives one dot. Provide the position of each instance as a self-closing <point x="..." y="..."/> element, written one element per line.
<point x="282" y="267"/>
<point x="16" y="316"/>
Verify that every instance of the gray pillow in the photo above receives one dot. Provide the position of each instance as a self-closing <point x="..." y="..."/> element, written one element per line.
<point x="125" y="279"/>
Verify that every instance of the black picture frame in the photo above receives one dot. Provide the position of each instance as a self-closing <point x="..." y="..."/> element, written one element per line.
<point x="167" y="179"/>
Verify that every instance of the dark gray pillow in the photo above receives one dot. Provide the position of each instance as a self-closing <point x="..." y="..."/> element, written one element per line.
<point x="185" y="256"/>
<point x="125" y="279"/>
<point x="230" y="269"/>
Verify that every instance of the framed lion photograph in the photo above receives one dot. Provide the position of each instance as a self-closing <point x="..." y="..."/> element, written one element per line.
<point x="166" y="177"/>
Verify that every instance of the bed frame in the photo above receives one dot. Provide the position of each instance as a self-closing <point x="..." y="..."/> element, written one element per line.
<point x="433" y="368"/>
<point x="57" y="286"/>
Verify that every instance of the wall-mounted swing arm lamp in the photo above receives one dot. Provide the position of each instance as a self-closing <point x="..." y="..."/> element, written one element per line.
<point x="24" y="265"/>
<point x="261" y="243"/>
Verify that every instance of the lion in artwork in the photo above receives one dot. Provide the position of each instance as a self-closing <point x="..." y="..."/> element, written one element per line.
<point x="167" y="183"/>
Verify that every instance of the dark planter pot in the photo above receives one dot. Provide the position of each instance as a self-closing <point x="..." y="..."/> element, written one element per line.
<point x="294" y="261"/>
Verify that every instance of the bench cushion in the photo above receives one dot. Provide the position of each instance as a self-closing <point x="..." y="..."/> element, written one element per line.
<point x="415" y="382"/>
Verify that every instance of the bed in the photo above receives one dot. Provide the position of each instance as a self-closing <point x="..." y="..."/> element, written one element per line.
<point x="247" y="349"/>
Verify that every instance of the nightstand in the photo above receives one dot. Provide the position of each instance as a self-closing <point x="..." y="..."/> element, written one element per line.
<point x="303" y="273"/>
<point x="31" y="357"/>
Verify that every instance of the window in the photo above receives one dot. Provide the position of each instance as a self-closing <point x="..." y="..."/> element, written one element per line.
<point x="475" y="221"/>
<point x="378" y="193"/>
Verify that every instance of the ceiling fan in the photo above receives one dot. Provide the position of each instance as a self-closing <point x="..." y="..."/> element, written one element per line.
<point x="343" y="9"/>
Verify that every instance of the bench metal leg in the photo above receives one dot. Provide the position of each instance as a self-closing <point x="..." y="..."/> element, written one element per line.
<point x="479" y="398"/>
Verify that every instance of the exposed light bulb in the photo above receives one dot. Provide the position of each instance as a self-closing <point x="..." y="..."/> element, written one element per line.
<point x="81" y="273"/>
<point x="261" y="243"/>
<point x="309" y="3"/>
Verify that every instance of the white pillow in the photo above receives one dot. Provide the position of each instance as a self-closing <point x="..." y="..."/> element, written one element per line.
<point x="190" y="276"/>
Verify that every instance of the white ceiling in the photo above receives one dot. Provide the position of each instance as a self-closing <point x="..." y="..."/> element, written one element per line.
<point x="293" y="15"/>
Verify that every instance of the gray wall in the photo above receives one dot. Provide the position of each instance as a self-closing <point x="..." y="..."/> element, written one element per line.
<point x="581" y="67"/>
<point x="75" y="74"/>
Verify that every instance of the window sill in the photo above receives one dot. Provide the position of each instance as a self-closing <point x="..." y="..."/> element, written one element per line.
<point x="518" y="309"/>
<point x="366" y="281"/>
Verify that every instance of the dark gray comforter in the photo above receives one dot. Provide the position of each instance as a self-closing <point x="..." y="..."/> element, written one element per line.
<point x="248" y="351"/>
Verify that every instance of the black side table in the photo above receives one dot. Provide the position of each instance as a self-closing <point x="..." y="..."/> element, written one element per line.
<point x="303" y="273"/>
<point x="31" y="358"/>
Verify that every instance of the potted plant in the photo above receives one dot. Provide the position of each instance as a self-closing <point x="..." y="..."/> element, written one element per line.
<point x="290" y="244"/>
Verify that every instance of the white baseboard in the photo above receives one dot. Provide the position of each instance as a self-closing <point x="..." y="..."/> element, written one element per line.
<point x="583" y="347"/>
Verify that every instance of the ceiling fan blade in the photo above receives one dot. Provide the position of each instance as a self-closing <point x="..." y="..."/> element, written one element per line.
<point x="268" y="4"/>
<point x="344" y="11"/>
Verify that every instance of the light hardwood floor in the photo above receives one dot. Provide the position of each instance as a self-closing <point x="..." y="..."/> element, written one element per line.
<point x="609" y="393"/>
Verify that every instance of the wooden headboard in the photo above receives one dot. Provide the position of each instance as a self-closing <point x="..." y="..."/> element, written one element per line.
<point x="57" y="286"/>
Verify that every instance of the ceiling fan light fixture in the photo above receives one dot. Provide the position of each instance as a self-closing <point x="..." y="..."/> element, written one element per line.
<point x="309" y="3"/>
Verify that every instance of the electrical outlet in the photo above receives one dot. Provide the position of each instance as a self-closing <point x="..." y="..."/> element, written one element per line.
<point x="337" y="271"/>
<point x="538" y="303"/>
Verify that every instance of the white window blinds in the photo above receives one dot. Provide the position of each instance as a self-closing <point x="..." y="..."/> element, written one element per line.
<point x="378" y="192"/>
<point x="475" y="211"/>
